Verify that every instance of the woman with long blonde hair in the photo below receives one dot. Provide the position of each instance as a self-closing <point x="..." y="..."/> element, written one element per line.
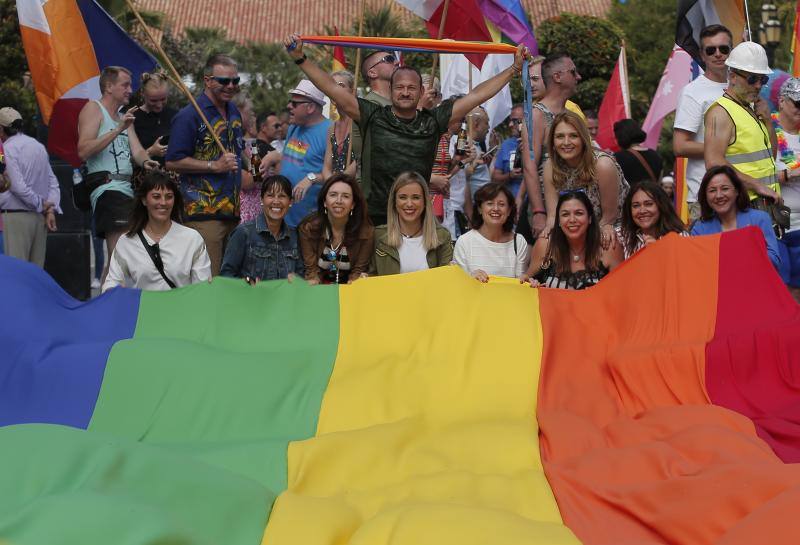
<point x="411" y="240"/>
<point x="573" y="164"/>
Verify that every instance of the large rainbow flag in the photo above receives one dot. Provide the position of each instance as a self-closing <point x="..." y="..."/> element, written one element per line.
<point x="660" y="407"/>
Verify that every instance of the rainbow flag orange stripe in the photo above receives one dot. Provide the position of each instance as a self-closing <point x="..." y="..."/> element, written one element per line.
<point x="657" y="407"/>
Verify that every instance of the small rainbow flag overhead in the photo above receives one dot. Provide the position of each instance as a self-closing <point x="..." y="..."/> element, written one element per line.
<point x="658" y="407"/>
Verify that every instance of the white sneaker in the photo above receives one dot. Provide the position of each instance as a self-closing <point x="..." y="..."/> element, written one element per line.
<point x="95" y="284"/>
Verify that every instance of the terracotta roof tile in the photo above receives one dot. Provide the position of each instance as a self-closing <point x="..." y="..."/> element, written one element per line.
<point x="270" y="20"/>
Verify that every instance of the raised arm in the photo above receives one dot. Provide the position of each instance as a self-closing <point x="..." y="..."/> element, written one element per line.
<point x="89" y="142"/>
<point x="530" y="171"/>
<point x="488" y="88"/>
<point x="345" y="101"/>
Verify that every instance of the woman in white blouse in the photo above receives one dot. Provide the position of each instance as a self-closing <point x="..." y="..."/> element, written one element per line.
<point x="492" y="248"/>
<point x="157" y="252"/>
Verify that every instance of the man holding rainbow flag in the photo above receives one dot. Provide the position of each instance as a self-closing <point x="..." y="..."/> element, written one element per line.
<point x="401" y="137"/>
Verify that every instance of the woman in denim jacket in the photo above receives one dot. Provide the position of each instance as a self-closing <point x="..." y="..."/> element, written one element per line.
<point x="265" y="249"/>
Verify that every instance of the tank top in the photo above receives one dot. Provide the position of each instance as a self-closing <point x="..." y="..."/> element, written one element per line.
<point x="339" y="153"/>
<point x="116" y="157"/>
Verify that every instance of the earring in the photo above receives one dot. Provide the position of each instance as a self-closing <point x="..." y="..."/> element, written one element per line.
<point x="351" y="211"/>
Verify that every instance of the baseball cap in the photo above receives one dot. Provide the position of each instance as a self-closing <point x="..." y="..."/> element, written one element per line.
<point x="309" y="90"/>
<point x="8" y="115"/>
<point x="791" y="88"/>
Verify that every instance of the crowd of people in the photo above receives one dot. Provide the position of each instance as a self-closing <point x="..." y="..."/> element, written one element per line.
<point x="402" y="180"/>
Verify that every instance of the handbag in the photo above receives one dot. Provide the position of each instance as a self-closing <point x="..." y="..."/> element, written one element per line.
<point x="155" y="256"/>
<point x="778" y="214"/>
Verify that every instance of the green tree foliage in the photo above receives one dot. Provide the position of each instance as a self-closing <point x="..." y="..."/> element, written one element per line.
<point x="649" y="30"/>
<point x="593" y="44"/>
<point x="15" y="90"/>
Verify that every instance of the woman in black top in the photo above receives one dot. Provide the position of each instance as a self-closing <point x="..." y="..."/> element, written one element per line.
<point x="154" y="117"/>
<point x="633" y="157"/>
<point x="572" y="258"/>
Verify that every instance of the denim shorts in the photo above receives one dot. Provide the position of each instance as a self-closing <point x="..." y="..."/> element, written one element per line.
<point x="789" y="247"/>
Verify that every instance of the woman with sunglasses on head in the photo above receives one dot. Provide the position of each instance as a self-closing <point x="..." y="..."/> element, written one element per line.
<point x="339" y="135"/>
<point x="153" y="118"/>
<point x="411" y="240"/>
<point x="336" y="240"/>
<point x="492" y="248"/>
<point x="157" y="252"/>
<point x="574" y="164"/>
<point x="572" y="257"/>
<point x="265" y="248"/>
<point x="725" y="206"/>
<point x="647" y="215"/>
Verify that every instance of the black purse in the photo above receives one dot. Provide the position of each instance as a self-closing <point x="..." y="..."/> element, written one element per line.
<point x="155" y="255"/>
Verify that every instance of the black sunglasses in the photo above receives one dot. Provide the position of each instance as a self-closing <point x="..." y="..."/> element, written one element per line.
<point x="752" y="79"/>
<point x="573" y="71"/>
<point x="796" y="103"/>
<point x="712" y="49"/>
<point x="227" y="81"/>
<point x="294" y="103"/>
<point x="387" y="58"/>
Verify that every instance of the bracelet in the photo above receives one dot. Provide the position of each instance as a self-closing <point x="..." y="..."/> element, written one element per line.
<point x="461" y="164"/>
<point x="301" y="60"/>
<point x="516" y="70"/>
<point x="539" y="212"/>
<point x="208" y="166"/>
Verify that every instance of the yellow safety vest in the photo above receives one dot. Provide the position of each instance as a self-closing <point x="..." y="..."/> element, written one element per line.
<point x="751" y="152"/>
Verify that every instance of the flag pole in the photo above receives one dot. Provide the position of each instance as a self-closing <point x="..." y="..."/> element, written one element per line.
<point x="176" y="76"/>
<point x="441" y="33"/>
<point x="357" y="71"/>
<point x="626" y="85"/>
<point x="747" y="21"/>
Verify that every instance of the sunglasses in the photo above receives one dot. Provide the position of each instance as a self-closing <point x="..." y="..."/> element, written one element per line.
<point x="227" y="81"/>
<point x="391" y="59"/>
<point x="294" y="103"/>
<point x="712" y="49"/>
<point x="276" y="126"/>
<point x="573" y="71"/>
<point x="571" y="192"/>
<point x="752" y="79"/>
<point x="516" y="120"/>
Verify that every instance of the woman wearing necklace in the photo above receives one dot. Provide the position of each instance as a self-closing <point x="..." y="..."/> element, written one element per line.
<point x="574" y="164"/>
<point x="573" y="257"/>
<point x="725" y="206"/>
<point x="157" y="252"/>
<point x="492" y="248"/>
<point x="339" y="135"/>
<point x="336" y="240"/>
<point x="786" y="122"/>
<point x="411" y="240"/>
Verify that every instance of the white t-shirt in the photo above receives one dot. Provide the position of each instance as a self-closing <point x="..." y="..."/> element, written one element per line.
<point x="693" y="103"/>
<point x="791" y="191"/>
<point x="473" y="252"/>
<point x="182" y="250"/>
<point x="413" y="256"/>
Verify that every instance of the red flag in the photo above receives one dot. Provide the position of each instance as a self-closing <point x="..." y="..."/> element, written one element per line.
<point x="465" y="21"/>
<point x="339" y="60"/>
<point x="616" y="105"/>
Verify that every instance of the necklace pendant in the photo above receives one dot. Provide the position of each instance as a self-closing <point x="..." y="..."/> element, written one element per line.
<point x="576" y="258"/>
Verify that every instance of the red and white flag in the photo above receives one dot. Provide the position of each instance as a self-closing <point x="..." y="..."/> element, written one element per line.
<point x="677" y="74"/>
<point x="616" y="105"/>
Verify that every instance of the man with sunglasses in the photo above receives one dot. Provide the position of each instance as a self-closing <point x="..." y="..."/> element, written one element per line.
<point x="738" y="131"/>
<point x="400" y="136"/>
<point x="694" y="101"/>
<point x="210" y="180"/>
<point x="304" y="152"/>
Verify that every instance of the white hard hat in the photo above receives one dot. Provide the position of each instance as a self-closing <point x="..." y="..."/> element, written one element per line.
<point x="749" y="57"/>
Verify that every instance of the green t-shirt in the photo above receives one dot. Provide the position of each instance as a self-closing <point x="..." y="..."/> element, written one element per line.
<point x="393" y="145"/>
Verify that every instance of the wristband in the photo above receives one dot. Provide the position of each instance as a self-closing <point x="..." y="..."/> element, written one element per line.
<point x="461" y="164"/>
<point x="539" y="212"/>
<point x="301" y="60"/>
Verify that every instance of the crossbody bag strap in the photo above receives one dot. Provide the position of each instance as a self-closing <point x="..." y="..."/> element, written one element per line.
<point x="645" y="164"/>
<point x="158" y="263"/>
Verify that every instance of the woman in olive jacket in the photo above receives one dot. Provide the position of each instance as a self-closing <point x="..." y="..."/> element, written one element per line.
<point x="411" y="240"/>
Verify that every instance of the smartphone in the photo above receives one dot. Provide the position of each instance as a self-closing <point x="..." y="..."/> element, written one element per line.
<point x="165" y="139"/>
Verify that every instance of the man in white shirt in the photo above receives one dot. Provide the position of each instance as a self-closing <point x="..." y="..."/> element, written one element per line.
<point x="687" y="137"/>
